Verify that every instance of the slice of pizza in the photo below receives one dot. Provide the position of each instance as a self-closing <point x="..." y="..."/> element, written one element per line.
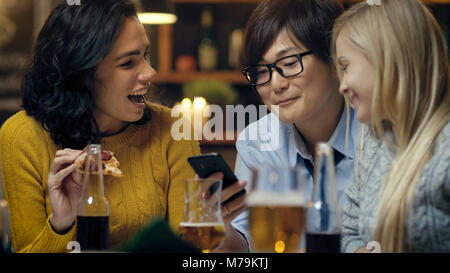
<point x="110" y="164"/>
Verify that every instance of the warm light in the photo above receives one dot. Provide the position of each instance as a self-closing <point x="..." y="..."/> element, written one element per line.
<point x="157" y="18"/>
<point x="186" y="103"/>
<point x="279" y="247"/>
<point x="199" y="102"/>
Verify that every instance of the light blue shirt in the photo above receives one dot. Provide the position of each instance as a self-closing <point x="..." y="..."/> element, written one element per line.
<point x="269" y="141"/>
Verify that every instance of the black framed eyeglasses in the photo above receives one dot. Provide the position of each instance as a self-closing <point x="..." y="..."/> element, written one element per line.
<point x="287" y="67"/>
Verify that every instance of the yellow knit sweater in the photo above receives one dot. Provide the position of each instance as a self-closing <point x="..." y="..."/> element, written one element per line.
<point x="154" y="167"/>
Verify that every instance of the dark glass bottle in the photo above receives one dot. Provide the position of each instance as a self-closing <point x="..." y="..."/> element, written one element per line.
<point x="93" y="209"/>
<point x="207" y="49"/>
<point x="5" y="235"/>
<point x="324" y="215"/>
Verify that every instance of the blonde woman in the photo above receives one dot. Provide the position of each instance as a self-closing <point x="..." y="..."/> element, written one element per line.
<point x="393" y="68"/>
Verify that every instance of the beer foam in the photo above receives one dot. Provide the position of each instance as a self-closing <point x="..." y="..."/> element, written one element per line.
<point x="274" y="199"/>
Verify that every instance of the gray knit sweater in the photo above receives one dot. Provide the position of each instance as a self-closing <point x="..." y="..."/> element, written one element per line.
<point x="427" y="224"/>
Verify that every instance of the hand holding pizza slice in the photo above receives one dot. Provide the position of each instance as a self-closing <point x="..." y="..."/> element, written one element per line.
<point x="110" y="164"/>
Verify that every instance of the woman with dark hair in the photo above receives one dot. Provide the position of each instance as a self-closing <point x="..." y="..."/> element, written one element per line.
<point x="287" y="50"/>
<point x="87" y="84"/>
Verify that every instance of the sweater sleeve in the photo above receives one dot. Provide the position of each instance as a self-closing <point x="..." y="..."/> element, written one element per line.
<point x="351" y="239"/>
<point x="24" y="159"/>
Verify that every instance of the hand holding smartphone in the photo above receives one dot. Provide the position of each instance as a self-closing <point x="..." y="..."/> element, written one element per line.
<point x="207" y="164"/>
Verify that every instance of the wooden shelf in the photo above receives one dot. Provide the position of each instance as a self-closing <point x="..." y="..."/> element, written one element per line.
<point x="166" y="55"/>
<point x="436" y="1"/>
<point x="215" y="1"/>
<point x="233" y="77"/>
<point x="423" y="1"/>
<point x="259" y="1"/>
<point x="167" y="74"/>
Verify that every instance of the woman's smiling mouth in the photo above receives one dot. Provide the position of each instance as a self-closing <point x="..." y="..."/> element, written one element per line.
<point x="138" y="97"/>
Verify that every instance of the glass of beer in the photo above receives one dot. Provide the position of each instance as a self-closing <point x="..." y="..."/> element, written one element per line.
<point x="202" y="225"/>
<point x="276" y="204"/>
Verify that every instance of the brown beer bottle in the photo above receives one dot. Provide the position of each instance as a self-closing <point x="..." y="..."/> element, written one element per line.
<point x="93" y="209"/>
<point x="323" y="224"/>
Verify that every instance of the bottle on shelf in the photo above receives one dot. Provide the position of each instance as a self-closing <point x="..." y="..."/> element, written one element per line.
<point x="324" y="215"/>
<point x="207" y="49"/>
<point x="234" y="48"/>
<point x="93" y="209"/>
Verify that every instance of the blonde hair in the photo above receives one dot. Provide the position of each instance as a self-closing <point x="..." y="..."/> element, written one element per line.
<point x="411" y="93"/>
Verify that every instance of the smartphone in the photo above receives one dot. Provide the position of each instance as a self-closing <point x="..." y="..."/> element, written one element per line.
<point x="207" y="164"/>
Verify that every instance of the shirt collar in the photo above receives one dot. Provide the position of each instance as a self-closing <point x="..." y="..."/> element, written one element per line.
<point x="337" y="139"/>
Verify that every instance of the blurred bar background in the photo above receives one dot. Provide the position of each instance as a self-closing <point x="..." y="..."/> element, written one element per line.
<point x="197" y="56"/>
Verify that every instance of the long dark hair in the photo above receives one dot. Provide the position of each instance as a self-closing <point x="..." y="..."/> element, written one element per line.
<point x="310" y="21"/>
<point x="58" y="89"/>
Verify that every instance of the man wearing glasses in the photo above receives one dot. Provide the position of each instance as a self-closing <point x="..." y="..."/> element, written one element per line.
<point x="287" y="49"/>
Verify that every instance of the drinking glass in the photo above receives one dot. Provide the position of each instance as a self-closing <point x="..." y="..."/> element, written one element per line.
<point x="276" y="205"/>
<point x="202" y="224"/>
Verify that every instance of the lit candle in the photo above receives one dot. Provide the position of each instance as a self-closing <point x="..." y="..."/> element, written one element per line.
<point x="198" y="106"/>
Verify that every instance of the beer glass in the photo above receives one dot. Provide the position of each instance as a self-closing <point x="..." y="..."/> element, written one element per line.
<point x="202" y="225"/>
<point x="276" y="204"/>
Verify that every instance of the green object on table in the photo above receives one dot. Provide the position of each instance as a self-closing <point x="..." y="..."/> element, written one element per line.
<point x="157" y="237"/>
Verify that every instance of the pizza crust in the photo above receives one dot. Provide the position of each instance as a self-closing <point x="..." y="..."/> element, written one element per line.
<point x="110" y="166"/>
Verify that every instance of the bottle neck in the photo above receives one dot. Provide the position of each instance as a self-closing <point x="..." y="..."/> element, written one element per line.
<point x="325" y="185"/>
<point x="95" y="185"/>
<point x="206" y="19"/>
<point x="93" y="175"/>
<point x="93" y="201"/>
<point x="324" y="215"/>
